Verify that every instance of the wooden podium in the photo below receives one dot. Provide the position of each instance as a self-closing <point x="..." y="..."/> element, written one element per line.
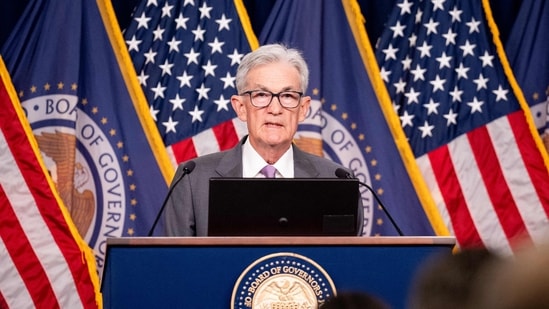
<point x="225" y="272"/>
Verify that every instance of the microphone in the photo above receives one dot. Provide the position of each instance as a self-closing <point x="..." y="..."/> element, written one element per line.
<point x="342" y="173"/>
<point x="187" y="169"/>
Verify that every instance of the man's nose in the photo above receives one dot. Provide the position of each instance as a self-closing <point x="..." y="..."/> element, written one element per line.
<point x="275" y="106"/>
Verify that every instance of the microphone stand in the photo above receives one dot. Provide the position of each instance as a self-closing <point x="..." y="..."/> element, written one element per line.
<point x="187" y="169"/>
<point x="342" y="173"/>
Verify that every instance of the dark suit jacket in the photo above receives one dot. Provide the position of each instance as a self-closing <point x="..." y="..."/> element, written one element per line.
<point x="186" y="212"/>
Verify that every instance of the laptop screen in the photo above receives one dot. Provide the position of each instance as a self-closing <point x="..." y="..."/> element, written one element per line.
<point x="283" y="207"/>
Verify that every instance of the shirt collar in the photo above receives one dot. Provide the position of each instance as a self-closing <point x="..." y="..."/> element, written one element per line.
<point x="252" y="162"/>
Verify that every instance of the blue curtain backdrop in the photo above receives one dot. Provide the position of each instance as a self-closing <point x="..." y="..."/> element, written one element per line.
<point x="375" y="12"/>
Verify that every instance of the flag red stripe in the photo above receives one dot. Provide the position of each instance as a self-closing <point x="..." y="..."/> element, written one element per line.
<point x="528" y="150"/>
<point x="495" y="183"/>
<point x="445" y="174"/>
<point x="184" y="150"/>
<point x="13" y="235"/>
<point x="225" y="134"/>
<point x="62" y="236"/>
<point x="3" y="303"/>
<point x="22" y="253"/>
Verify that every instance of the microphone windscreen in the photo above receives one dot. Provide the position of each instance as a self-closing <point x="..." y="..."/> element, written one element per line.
<point x="189" y="167"/>
<point x="342" y="173"/>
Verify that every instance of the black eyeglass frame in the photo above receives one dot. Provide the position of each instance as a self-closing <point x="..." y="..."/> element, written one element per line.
<point x="277" y="95"/>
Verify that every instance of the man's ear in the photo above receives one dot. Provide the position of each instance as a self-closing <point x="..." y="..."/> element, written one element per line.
<point x="239" y="107"/>
<point x="304" y="107"/>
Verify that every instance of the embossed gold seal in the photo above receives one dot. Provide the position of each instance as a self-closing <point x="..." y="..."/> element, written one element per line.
<point x="282" y="281"/>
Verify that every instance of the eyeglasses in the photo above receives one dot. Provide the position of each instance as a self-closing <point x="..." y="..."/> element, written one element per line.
<point x="263" y="98"/>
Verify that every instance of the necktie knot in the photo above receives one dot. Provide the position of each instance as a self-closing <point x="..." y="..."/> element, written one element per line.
<point x="269" y="171"/>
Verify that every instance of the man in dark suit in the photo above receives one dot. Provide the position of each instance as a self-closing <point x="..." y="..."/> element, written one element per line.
<point x="271" y="82"/>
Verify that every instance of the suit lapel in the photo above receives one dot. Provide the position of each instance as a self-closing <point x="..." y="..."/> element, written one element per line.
<point x="230" y="164"/>
<point x="303" y="168"/>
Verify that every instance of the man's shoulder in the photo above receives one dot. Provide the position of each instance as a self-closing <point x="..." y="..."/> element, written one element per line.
<point x="322" y="161"/>
<point x="317" y="160"/>
<point x="315" y="165"/>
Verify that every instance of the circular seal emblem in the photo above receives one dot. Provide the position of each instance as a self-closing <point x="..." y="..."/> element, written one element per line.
<point x="282" y="280"/>
<point x="85" y="165"/>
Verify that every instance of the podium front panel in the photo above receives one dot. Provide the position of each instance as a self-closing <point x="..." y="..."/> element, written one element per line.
<point x="203" y="272"/>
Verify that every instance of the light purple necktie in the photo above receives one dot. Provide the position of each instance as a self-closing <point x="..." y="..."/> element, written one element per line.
<point x="269" y="171"/>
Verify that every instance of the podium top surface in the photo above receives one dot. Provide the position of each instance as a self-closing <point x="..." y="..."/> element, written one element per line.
<point x="251" y="241"/>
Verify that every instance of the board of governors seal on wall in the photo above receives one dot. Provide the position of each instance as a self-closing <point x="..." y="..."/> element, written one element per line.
<point x="282" y="280"/>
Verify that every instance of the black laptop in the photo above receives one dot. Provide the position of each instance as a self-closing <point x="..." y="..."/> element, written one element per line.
<point x="283" y="207"/>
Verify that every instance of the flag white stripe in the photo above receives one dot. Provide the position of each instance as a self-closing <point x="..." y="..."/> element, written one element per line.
<point x="12" y="288"/>
<point x="205" y="142"/>
<point x="36" y="230"/>
<point x="171" y="155"/>
<point x="516" y="175"/>
<point x="476" y="196"/>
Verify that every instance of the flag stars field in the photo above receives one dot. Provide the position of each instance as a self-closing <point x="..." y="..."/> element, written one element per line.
<point x="188" y="61"/>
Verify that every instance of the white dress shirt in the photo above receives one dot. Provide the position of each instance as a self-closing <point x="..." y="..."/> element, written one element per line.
<point x="252" y="163"/>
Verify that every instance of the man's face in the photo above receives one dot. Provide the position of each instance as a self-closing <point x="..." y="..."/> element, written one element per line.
<point x="273" y="126"/>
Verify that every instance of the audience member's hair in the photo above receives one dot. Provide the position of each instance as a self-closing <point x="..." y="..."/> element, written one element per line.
<point x="354" y="300"/>
<point x="520" y="282"/>
<point x="446" y="281"/>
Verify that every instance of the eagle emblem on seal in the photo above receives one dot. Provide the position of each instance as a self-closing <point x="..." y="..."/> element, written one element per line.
<point x="71" y="176"/>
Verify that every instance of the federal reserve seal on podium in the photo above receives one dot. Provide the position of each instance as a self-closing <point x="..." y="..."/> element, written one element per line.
<point x="282" y="280"/>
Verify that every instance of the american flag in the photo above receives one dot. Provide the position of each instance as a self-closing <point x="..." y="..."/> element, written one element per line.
<point x="44" y="263"/>
<point x="463" y="115"/>
<point x="186" y="54"/>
